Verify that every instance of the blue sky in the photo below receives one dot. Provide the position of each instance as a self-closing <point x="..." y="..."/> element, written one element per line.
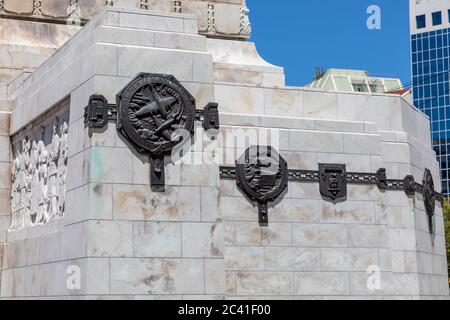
<point x="300" y="35"/>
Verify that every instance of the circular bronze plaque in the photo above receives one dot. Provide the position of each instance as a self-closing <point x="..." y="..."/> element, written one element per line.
<point x="262" y="174"/>
<point x="152" y="112"/>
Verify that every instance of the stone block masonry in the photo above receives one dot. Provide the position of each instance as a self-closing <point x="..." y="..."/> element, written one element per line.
<point x="201" y="237"/>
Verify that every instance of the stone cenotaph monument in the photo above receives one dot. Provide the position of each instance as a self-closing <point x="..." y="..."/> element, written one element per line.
<point x="147" y="151"/>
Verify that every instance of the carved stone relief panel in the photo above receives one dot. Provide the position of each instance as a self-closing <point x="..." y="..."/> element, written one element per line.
<point x="38" y="171"/>
<point x="216" y="18"/>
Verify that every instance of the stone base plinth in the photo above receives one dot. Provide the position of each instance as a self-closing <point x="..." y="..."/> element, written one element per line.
<point x="201" y="237"/>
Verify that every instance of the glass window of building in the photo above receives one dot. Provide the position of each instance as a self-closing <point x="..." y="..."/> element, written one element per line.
<point x="437" y="18"/>
<point x="431" y="80"/>
<point x="421" y="21"/>
<point x="360" y="87"/>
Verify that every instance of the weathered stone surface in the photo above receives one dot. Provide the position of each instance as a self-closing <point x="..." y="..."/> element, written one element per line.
<point x="320" y="283"/>
<point x="320" y="235"/>
<point x="25" y="6"/>
<point x="157" y="276"/>
<point x="110" y="239"/>
<point x="201" y="239"/>
<point x="292" y="259"/>
<point x="348" y="259"/>
<point x="267" y="283"/>
<point x="347" y="212"/>
<point x="244" y="258"/>
<point x="139" y="203"/>
<point x="157" y="239"/>
<point x="370" y="236"/>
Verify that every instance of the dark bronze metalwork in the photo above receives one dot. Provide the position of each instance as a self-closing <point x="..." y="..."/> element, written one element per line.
<point x="262" y="175"/>
<point x="96" y="112"/>
<point x="429" y="196"/>
<point x="152" y="111"/>
<point x="333" y="182"/>
<point x="211" y="118"/>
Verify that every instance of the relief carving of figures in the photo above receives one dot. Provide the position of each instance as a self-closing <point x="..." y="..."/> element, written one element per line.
<point x="39" y="181"/>
<point x="62" y="165"/>
<point x="37" y="7"/>
<point x="246" y="26"/>
<point x="42" y="187"/>
<point x="23" y="184"/>
<point x="15" y="201"/>
<point x="74" y="13"/>
<point x="177" y="7"/>
<point x="144" y="4"/>
<point x="52" y="176"/>
<point x="34" y="204"/>
<point x="211" y="19"/>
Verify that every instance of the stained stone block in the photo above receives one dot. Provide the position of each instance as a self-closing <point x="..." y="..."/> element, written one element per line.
<point x="118" y="169"/>
<point x="156" y="276"/>
<point x="296" y="211"/>
<point x="214" y="277"/>
<point x="5" y="195"/>
<point x="267" y="283"/>
<point x="25" y="6"/>
<point x="5" y="171"/>
<point x="320" y="105"/>
<point x="176" y="204"/>
<point x="5" y="155"/>
<point x="157" y="239"/>
<point x="320" y="283"/>
<point x="402" y="239"/>
<point x="348" y="212"/>
<point x="4" y="124"/>
<point x="110" y="239"/>
<point x="132" y="60"/>
<point x="310" y="141"/>
<point x="252" y="99"/>
<point x="4" y="223"/>
<point x="320" y="235"/>
<point x="348" y="259"/>
<point x="195" y="175"/>
<point x="368" y="236"/>
<point x="89" y="8"/>
<point x="236" y="209"/>
<point x="358" y="285"/>
<point x="55" y="8"/>
<point x="241" y="233"/>
<point x="292" y="259"/>
<point x="97" y="276"/>
<point x="244" y="258"/>
<point x="282" y="102"/>
<point x="202" y="240"/>
<point x="277" y="234"/>
<point x="209" y="201"/>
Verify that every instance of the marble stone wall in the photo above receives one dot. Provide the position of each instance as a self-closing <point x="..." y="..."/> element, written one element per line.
<point x="200" y="239"/>
<point x="24" y="45"/>
<point x="5" y="171"/>
<point x="316" y="250"/>
<point x="30" y="31"/>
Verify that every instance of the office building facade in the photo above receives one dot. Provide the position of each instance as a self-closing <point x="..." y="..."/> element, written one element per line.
<point x="430" y="46"/>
